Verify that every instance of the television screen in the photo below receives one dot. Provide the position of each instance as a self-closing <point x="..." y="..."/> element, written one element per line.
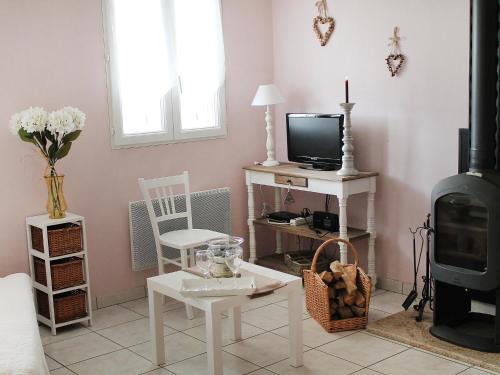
<point x="315" y="139"/>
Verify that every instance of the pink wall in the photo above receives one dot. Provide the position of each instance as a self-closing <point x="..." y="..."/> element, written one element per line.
<point x="52" y="56"/>
<point x="406" y="127"/>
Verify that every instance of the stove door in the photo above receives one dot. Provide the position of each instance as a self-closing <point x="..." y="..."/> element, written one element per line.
<point x="465" y="244"/>
<point x="461" y="228"/>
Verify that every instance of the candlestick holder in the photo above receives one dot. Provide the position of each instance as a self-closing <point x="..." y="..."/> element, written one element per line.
<point x="348" y="148"/>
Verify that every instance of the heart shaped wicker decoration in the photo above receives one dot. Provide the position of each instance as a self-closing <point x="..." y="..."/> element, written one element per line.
<point x="323" y="38"/>
<point x="391" y="63"/>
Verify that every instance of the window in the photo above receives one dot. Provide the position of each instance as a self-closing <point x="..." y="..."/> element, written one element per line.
<point x="166" y="70"/>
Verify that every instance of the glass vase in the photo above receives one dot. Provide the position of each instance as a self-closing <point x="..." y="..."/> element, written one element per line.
<point x="218" y="249"/>
<point x="56" y="204"/>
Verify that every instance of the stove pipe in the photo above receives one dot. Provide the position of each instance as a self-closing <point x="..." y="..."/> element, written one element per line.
<point x="484" y="86"/>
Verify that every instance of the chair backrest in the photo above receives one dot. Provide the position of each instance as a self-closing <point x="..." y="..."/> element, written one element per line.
<point x="161" y="189"/>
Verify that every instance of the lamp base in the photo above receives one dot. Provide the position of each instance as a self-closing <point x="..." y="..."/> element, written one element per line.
<point x="270" y="163"/>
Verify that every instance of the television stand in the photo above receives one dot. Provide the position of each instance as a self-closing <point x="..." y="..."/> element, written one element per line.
<point x="290" y="176"/>
<point x="320" y="167"/>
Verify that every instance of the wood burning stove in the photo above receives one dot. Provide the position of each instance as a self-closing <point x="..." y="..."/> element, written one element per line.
<point x="465" y="248"/>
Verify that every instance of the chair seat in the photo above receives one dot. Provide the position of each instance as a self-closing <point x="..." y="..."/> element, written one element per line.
<point x="189" y="238"/>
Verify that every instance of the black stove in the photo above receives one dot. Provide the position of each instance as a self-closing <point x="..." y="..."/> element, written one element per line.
<point x="465" y="248"/>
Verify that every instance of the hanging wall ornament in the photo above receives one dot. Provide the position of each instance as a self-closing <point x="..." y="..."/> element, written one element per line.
<point x="396" y="59"/>
<point x="323" y="18"/>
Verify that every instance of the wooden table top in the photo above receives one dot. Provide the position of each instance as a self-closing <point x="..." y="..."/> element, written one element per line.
<point x="293" y="170"/>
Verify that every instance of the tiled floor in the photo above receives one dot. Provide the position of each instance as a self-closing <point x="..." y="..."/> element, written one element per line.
<point x="118" y="343"/>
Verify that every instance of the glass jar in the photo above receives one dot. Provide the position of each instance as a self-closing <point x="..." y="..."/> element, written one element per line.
<point x="218" y="248"/>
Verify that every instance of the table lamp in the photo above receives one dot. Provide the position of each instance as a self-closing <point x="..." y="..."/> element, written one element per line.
<point x="268" y="95"/>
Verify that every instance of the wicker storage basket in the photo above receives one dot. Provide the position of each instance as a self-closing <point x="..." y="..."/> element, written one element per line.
<point x="317" y="301"/>
<point x="63" y="239"/>
<point x="67" y="306"/>
<point x="298" y="261"/>
<point x="65" y="273"/>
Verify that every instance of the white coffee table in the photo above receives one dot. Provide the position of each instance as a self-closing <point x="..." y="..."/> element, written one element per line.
<point x="169" y="285"/>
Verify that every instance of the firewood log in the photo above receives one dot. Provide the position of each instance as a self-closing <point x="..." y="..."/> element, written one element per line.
<point x="345" y="312"/>
<point x="340" y="298"/>
<point x="326" y="276"/>
<point x="331" y="292"/>
<point x="337" y="269"/>
<point x="349" y="278"/>
<point x="360" y="299"/>
<point x="358" y="311"/>
<point x="339" y="285"/>
<point x="349" y="299"/>
<point x="333" y="304"/>
<point x="333" y="308"/>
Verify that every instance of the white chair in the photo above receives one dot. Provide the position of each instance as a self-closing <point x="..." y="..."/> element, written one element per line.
<point x="185" y="240"/>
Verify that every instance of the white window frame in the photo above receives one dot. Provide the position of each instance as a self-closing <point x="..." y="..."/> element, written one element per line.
<point x="173" y="132"/>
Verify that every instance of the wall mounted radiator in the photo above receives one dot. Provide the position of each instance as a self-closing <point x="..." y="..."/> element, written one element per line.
<point x="211" y="210"/>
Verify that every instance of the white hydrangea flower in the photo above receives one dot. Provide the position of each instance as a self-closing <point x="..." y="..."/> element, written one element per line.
<point x="33" y="119"/>
<point x="60" y="123"/>
<point x="15" y="123"/>
<point x="77" y="115"/>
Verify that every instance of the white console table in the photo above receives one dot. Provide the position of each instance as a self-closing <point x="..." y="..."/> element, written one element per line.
<point x="288" y="175"/>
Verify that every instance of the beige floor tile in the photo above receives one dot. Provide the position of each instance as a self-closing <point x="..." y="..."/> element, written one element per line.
<point x="313" y="334"/>
<point x="374" y="315"/>
<point x="112" y="316"/>
<point x="159" y="371"/>
<point x="122" y="362"/>
<point x="262" y="350"/>
<point x="198" y="365"/>
<point x="273" y="298"/>
<point x="80" y="348"/>
<point x="268" y="317"/>
<point x="262" y="371"/>
<point x="178" y="320"/>
<point x="478" y="371"/>
<point x="177" y="348"/>
<point x="390" y="340"/>
<point x="132" y="333"/>
<point x="315" y="362"/>
<point x="63" y="333"/>
<point x="466" y="364"/>
<point x="51" y="364"/>
<point x="62" y="371"/>
<point x="389" y="302"/>
<point x="140" y="306"/>
<point x="285" y="305"/>
<point x="362" y="349"/>
<point x="367" y="371"/>
<point x="417" y="363"/>
<point x="246" y="331"/>
<point x="255" y="304"/>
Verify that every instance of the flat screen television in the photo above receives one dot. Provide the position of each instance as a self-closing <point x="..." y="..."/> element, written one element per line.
<point x="315" y="139"/>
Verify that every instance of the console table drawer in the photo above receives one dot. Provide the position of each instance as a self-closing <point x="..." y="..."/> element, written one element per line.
<point x="290" y="180"/>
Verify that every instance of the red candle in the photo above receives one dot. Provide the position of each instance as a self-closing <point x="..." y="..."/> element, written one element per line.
<point x="346" y="89"/>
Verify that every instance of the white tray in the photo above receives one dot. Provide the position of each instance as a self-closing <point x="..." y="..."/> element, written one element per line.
<point x="217" y="287"/>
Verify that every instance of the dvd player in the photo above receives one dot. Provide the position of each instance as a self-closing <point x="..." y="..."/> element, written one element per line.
<point x="282" y="216"/>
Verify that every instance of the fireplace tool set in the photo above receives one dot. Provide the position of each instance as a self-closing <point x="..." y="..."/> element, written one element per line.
<point x="426" y="293"/>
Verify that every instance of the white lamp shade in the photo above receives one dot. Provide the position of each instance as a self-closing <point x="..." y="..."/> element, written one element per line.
<point x="267" y="95"/>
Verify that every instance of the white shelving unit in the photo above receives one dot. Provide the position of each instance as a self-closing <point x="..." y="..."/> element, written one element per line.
<point x="44" y="223"/>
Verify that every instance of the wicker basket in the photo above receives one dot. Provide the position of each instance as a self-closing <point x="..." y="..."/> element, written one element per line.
<point x="63" y="239"/>
<point x="65" y="273"/>
<point x="298" y="261"/>
<point x="317" y="301"/>
<point x="67" y="306"/>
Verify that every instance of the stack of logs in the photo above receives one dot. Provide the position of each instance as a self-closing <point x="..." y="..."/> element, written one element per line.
<point x="346" y="301"/>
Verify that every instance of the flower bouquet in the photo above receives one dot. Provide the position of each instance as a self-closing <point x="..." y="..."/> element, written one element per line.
<point x="53" y="134"/>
